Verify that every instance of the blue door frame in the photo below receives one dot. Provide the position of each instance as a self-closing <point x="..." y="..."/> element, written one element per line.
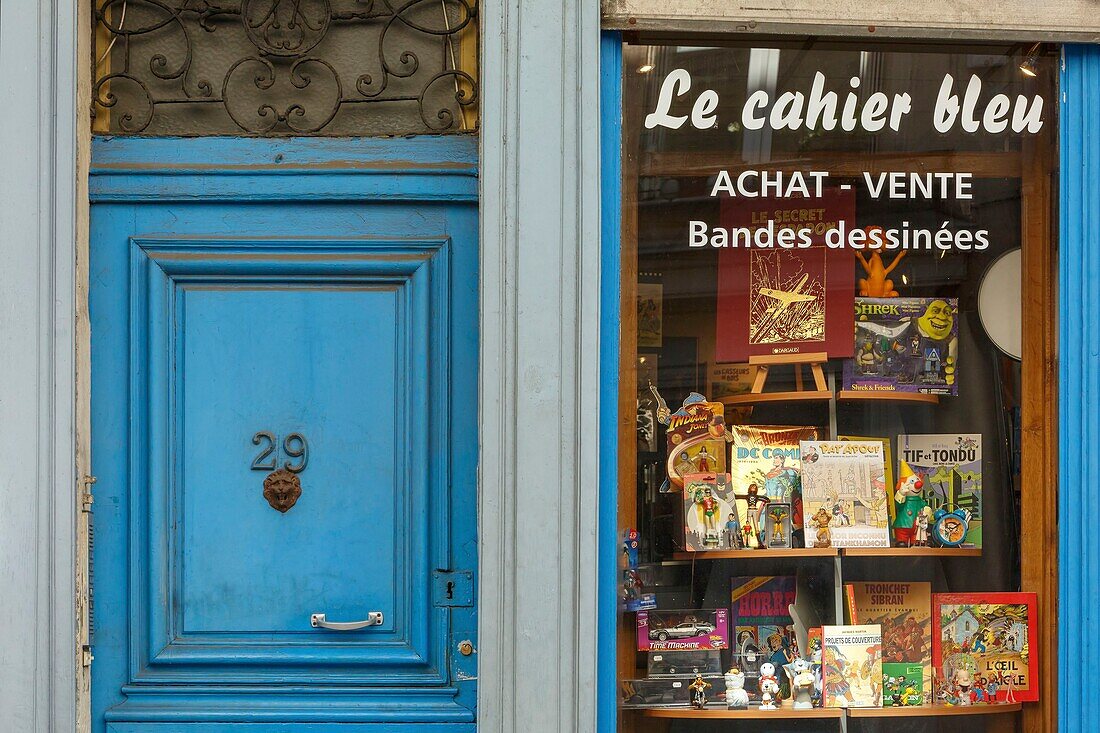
<point x="1079" y="380"/>
<point x="323" y="288"/>
<point x="1078" y="374"/>
<point x="611" y="74"/>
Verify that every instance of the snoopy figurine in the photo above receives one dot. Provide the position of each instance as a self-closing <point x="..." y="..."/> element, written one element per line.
<point x="769" y="687"/>
<point x="736" y="696"/>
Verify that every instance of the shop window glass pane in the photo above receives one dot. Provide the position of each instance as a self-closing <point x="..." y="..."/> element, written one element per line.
<point x="285" y="67"/>
<point x="765" y="325"/>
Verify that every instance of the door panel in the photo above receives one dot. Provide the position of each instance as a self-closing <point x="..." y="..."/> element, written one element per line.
<point x="336" y="341"/>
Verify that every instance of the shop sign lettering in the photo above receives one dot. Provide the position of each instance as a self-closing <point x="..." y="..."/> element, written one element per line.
<point x="957" y="105"/>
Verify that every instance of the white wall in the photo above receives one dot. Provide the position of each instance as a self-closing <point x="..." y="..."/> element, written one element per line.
<point x="539" y="384"/>
<point x="539" y="365"/>
<point x="37" y="481"/>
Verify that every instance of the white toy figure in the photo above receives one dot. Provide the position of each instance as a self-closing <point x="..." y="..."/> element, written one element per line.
<point x="769" y="687"/>
<point x="802" y="685"/>
<point x="736" y="696"/>
<point x="963" y="682"/>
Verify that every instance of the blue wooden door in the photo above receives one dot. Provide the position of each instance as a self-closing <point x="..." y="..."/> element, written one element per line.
<point x="284" y="390"/>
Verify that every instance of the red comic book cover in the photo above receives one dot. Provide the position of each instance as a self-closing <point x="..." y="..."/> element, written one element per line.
<point x="786" y="300"/>
<point x="984" y="646"/>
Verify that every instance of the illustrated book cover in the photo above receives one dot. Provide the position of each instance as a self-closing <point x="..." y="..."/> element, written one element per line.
<point x="887" y="462"/>
<point x="779" y="300"/>
<point x="851" y="666"/>
<point x="904" y="345"/>
<point x="847" y="478"/>
<point x="950" y="470"/>
<point x="903" y="611"/>
<point x="765" y="466"/>
<point x="696" y="437"/>
<point x="710" y="513"/>
<point x="993" y="638"/>
<point x="762" y="629"/>
<point x="688" y="630"/>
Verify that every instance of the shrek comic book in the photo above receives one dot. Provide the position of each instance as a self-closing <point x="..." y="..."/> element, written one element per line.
<point x="904" y="345"/>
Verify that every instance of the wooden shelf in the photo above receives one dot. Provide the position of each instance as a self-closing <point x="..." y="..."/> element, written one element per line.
<point x="928" y="711"/>
<point x="911" y="552"/>
<point x="829" y="552"/>
<point x="849" y="394"/>
<point x="750" y="714"/>
<point x="758" y="554"/>
<point x="752" y="398"/>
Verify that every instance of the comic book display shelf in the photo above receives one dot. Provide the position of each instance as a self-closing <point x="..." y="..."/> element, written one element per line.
<point x="903" y="552"/>
<point x="836" y="481"/>
<point x="920" y="711"/>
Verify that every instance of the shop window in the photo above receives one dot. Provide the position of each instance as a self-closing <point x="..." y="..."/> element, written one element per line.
<point x="837" y="299"/>
<point x="285" y="67"/>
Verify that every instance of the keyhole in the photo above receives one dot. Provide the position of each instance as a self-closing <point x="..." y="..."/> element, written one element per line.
<point x="450" y="590"/>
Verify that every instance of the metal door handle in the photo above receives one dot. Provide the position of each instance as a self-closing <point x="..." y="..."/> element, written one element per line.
<point x="317" y="621"/>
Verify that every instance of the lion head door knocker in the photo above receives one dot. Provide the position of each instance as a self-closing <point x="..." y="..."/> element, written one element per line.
<point x="282" y="489"/>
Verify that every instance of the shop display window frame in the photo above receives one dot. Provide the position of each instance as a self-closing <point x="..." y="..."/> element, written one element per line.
<point x="1037" y="167"/>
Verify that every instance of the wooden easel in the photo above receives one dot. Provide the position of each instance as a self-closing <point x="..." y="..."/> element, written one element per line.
<point x="762" y="365"/>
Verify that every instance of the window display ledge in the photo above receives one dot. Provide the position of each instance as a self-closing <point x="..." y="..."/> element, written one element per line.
<point x="759" y="554"/>
<point x="912" y="551"/>
<point x="923" y="711"/>
<point x="916" y="711"/>
<point x="847" y="394"/>
<point x="723" y="713"/>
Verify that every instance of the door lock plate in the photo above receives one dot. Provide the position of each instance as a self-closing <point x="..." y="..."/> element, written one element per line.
<point x="453" y="588"/>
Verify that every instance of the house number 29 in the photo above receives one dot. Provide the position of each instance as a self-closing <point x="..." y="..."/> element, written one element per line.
<point x="294" y="446"/>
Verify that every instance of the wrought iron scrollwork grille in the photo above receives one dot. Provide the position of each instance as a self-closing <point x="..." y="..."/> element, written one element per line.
<point x="285" y="67"/>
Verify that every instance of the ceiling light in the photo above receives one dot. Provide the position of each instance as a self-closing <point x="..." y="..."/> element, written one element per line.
<point x="1030" y="65"/>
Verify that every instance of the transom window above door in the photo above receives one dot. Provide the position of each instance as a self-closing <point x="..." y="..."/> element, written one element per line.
<point x="285" y="67"/>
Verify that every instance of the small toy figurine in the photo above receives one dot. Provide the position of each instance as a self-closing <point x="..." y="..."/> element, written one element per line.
<point x="733" y="532"/>
<point x="876" y="284"/>
<point x="736" y="696"/>
<point x="699" y="692"/>
<point x="802" y="685"/>
<point x="769" y="687"/>
<point x="822" y="520"/>
<point x="963" y="682"/>
<point x="707" y="504"/>
<point x="910" y="504"/>
<point x="703" y="461"/>
<point x="991" y="688"/>
<point x="779" y="513"/>
<point x="755" y="504"/>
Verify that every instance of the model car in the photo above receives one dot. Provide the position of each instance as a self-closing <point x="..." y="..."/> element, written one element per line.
<point x="684" y="630"/>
